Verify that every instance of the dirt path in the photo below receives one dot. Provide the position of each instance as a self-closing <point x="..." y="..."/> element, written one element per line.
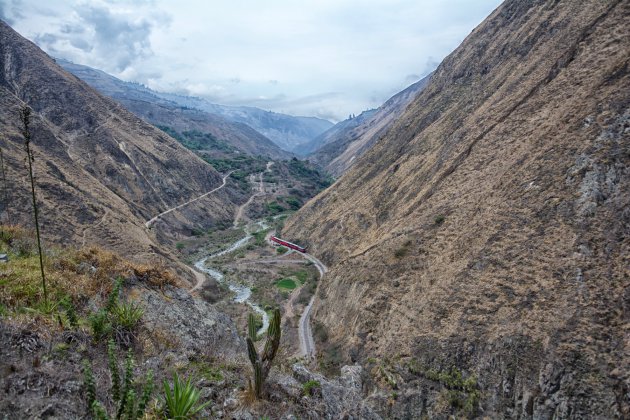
<point x="241" y="209"/>
<point x="201" y="279"/>
<point x="307" y="344"/>
<point x="261" y="191"/>
<point x="84" y="237"/>
<point x="155" y="219"/>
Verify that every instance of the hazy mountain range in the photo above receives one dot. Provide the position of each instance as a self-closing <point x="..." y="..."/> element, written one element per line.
<point x="288" y="132"/>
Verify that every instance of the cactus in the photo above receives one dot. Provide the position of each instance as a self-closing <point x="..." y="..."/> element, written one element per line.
<point x="90" y="386"/>
<point x="261" y="365"/>
<point x="113" y="370"/>
<point x="125" y="390"/>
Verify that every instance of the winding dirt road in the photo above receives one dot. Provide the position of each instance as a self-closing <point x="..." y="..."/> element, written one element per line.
<point x="151" y="221"/>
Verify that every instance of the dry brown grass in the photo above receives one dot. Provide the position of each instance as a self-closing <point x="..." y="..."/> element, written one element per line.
<point x="75" y="274"/>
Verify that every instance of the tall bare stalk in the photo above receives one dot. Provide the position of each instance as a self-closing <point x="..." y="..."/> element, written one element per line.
<point x="25" y="116"/>
<point x="5" y="188"/>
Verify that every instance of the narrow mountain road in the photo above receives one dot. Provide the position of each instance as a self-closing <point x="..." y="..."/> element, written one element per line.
<point x="150" y="222"/>
<point x="307" y="344"/>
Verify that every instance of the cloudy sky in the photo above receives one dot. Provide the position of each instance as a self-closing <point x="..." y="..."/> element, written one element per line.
<point x="325" y="58"/>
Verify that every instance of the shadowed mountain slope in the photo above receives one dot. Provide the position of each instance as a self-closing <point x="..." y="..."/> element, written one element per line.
<point x="489" y="230"/>
<point x="101" y="171"/>
<point x="337" y="149"/>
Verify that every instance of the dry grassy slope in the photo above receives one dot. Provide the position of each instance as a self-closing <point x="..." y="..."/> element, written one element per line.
<point x="344" y="146"/>
<point x="101" y="171"/>
<point x="522" y="142"/>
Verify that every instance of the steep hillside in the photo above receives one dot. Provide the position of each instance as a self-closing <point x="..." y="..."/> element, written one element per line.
<point x="158" y="111"/>
<point x="480" y="249"/>
<point x="101" y="171"/>
<point x="338" y="148"/>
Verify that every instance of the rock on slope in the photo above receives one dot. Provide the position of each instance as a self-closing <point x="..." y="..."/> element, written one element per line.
<point x="490" y="229"/>
<point x="338" y="148"/>
<point x="101" y="171"/>
<point x="158" y="111"/>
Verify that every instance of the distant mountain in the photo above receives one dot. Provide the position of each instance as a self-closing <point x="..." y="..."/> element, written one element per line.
<point x="478" y="253"/>
<point x="288" y="132"/>
<point x="337" y="149"/>
<point x="336" y="132"/>
<point x="101" y="171"/>
<point x="151" y="107"/>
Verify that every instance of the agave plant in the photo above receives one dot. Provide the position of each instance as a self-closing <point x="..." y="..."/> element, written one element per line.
<point x="181" y="400"/>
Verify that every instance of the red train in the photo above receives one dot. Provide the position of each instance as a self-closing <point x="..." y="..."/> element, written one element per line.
<point x="288" y="244"/>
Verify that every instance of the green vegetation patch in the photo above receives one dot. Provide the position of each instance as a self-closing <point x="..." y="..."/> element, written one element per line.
<point x="309" y="386"/>
<point x="286" y="284"/>
<point x="301" y="275"/>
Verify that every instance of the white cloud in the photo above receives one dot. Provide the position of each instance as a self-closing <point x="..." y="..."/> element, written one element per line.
<point x="313" y="57"/>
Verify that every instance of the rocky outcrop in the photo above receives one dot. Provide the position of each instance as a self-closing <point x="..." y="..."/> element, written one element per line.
<point x="488" y="231"/>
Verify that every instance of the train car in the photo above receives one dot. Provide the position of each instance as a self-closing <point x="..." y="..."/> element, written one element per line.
<point x="288" y="244"/>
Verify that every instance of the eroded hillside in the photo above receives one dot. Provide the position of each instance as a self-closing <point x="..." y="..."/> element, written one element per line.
<point x="486" y="235"/>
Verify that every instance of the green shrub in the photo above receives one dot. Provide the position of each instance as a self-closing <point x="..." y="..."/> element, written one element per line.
<point x="181" y="400"/>
<point x="100" y="324"/>
<point x="439" y="219"/>
<point x="179" y="246"/>
<point x="113" y="296"/>
<point x="115" y="314"/>
<point x="401" y="252"/>
<point x="127" y="315"/>
<point x="71" y="314"/>
<point x="281" y="249"/>
<point x="309" y="386"/>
